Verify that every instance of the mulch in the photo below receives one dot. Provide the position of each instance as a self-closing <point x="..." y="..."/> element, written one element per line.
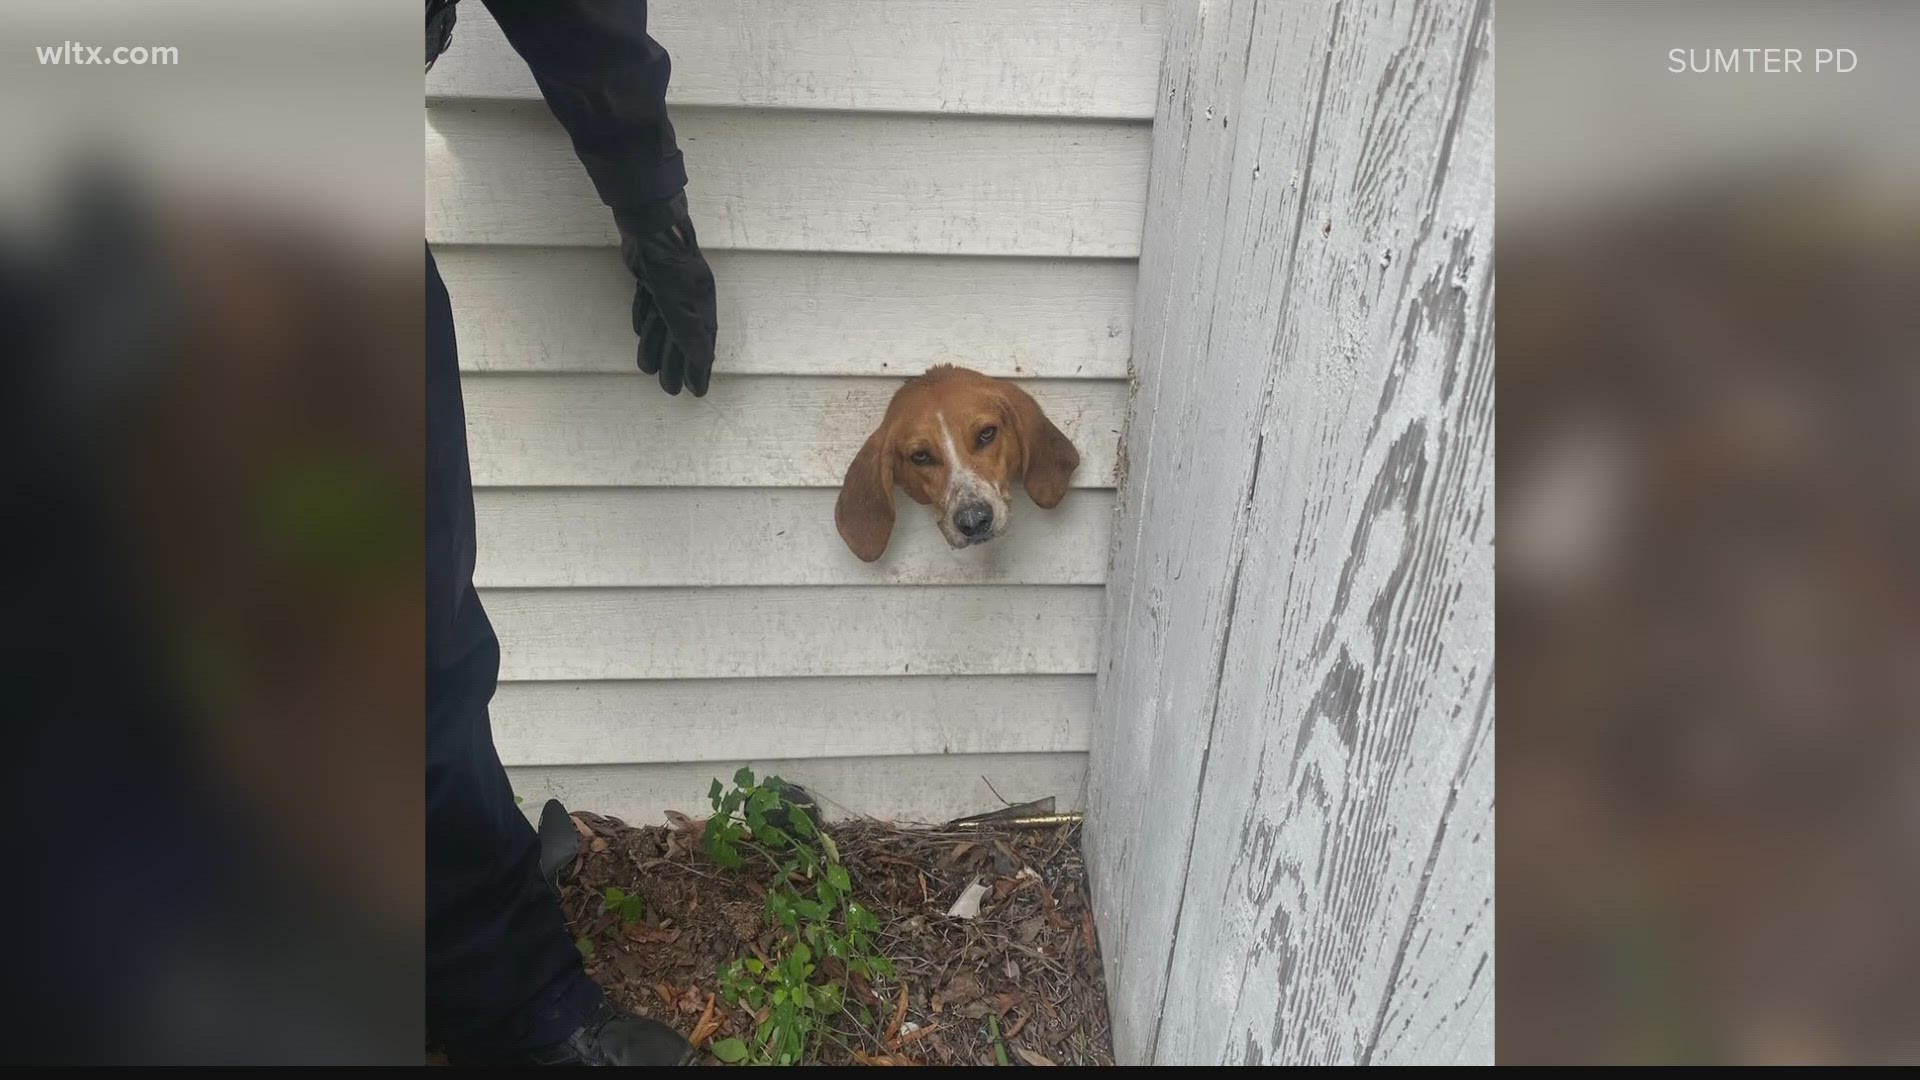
<point x="1020" y="984"/>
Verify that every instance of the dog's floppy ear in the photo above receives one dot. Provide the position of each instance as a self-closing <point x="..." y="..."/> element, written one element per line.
<point x="1046" y="457"/>
<point x="864" y="514"/>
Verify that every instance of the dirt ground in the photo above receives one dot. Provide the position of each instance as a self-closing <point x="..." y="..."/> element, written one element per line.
<point x="1020" y="984"/>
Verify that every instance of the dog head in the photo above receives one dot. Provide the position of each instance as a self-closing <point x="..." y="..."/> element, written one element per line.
<point x="954" y="440"/>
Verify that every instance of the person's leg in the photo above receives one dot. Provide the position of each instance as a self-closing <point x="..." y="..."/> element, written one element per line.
<point x="503" y="976"/>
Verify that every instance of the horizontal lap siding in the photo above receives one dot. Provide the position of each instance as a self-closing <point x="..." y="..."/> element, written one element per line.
<point x="1090" y="58"/>
<point x="614" y="722"/>
<point x="620" y="430"/>
<point x="881" y="186"/>
<point x="561" y="537"/>
<point x="556" y="310"/>
<point x="925" y="185"/>
<point x="681" y="633"/>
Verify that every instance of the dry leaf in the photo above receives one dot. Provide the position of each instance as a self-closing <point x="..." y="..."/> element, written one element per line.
<point x="654" y="934"/>
<point x="963" y="987"/>
<point x="899" y="1014"/>
<point x="709" y="1023"/>
<point x="1032" y="1057"/>
<point x="665" y="992"/>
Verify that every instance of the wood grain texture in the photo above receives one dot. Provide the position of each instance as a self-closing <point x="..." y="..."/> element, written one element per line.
<point x="749" y="431"/>
<point x="913" y="789"/>
<point x="701" y="633"/>
<point x="564" y="537"/>
<point x="665" y="720"/>
<point x="804" y="313"/>
<point x="1290" y="772"/>
<point x="805" y="181"/>
<point x="1016" y="57"/>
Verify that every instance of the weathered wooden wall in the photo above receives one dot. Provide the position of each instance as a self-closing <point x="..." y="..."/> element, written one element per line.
<point x="881" y="185"/>
<point x="1290" y="804"/>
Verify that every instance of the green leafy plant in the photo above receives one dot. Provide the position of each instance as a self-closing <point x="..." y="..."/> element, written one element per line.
<point x="825" y="931"/>
<point x="629" y="908"/>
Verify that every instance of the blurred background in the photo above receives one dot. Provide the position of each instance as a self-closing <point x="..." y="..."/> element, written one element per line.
<point x="1709" y="466"/>
<point x="1709" y="477"/>
<point x="210" y="403"/>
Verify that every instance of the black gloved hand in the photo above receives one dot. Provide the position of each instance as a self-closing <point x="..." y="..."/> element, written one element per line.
<point x="674" y="310"/>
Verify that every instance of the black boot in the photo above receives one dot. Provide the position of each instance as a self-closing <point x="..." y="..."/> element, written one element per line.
<point x="559" y="843"/>
<point x="610" y="1037"/>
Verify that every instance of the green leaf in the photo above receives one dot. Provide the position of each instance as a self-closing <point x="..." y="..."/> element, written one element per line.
<point x="754" y="965"/>
<point x="803" y="824"/>
<point x="585" y="945"/>
<point x="837" y="875"/>
<point x="804" y="954"/>
<point x="744" y="777"/>
<point x="833" y="850"/>
<point x="780" y="995"/>
<point x="730" y="1050"/>
<point x="810" y="908"/>
<point x="713" y="793"/>
<point x="719" y="844"/>
<point x="614" y="896"/>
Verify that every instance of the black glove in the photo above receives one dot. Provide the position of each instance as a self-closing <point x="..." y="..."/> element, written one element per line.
<point x="674" y="310"/>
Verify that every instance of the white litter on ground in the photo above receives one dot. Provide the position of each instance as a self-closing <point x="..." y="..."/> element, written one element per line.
<point x="968" y="906"/>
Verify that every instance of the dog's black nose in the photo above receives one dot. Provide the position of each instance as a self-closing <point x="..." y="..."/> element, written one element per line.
<point x="974" y="522"/>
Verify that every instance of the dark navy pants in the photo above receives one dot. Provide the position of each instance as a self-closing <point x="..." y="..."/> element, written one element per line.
<point x="502" y="972"/>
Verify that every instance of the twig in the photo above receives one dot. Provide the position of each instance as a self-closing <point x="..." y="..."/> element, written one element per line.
<point x="916" y="1034"/>
<point x="1038" y="821"/>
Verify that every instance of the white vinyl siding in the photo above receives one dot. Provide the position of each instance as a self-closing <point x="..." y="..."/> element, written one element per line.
<point x="881" y="186"/>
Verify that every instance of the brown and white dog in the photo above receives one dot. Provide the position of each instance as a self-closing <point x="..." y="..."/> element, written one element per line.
<point x="954" y="440"/>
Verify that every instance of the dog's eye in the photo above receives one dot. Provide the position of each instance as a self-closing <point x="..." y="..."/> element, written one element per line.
<point x="921" y="457"/>
<point x="986" y="436"/>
